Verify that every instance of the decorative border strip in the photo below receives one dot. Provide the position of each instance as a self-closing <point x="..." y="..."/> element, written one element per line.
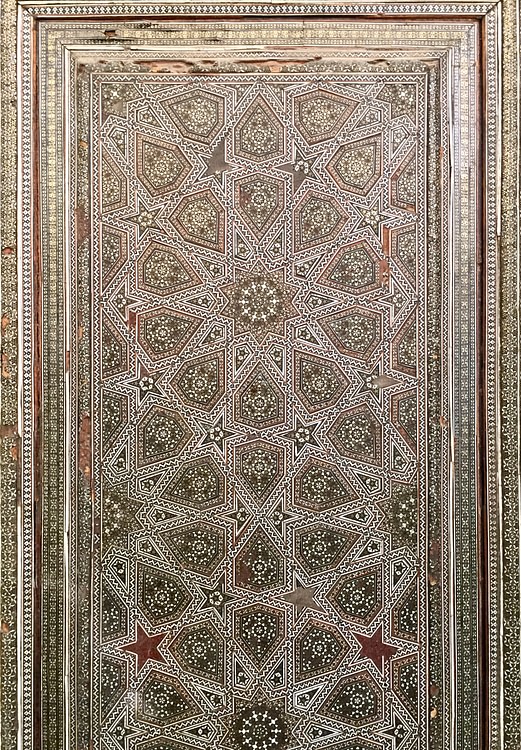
<point x="506" y="399"/>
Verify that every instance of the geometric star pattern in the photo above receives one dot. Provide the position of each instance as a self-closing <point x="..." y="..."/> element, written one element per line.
<point x="261" y="414"/>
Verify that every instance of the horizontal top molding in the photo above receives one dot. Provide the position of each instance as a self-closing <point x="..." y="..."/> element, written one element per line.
<point x="274" y="8"/>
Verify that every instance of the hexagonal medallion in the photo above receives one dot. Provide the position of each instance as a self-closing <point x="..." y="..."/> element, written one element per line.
<point x="161" y="435"/>
<point x="198" y="547"/>
<point x="199" y="484"/>
<point x="320" y="115"/>
<point x="319" y="648"/>
<point x="259" y="402"/>
<point x="161" y="596"/>
<point x="259" y="201"/>
<point x="199" y="115"/>
<point x="319" y="218"/>
<point x="319" y="486"/>
<point x="260" y="467"/>
<point x="163" y="270"/>
<point x="357" y="166"/>
<point x="356" y="700"/>
<point x="200" y="382"/>
<point x="164" y="333"/>
<point x="356" y="332"/>
<point x="161" y="166"/>
<point x="259" y="566"/>
<point x="358" y="596"/>
<point x="259" y="630"/>
<point x="355" y="269"/>
<point x="357" y="434"/>
<point x="200" y="650"/>
<point x="319" y="547"/>
<point x="318" y="384"/>
<point x="200" y="219"/>
<point x="259" y="134"/>
<point x="162" y="700"/>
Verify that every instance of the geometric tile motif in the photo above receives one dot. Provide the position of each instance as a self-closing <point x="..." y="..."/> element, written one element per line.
<point x="320" y="547"/>
<point x="357" y="700"/>
<point x="162" y="270"/>
<point x="161" y="596"/>
<point x="260" y="466"/>
<point x="320" y="486"/>
<point x="164" y="333"/>
<point x="355" y="332"/>
<point x="259" y="630"/>
<point x="268" y="284"/>
<point x="319" y="384"/>
<point x="260" y="201"/>
<point x="161" y="167"/>
<point x="259" y="566"/>
<point x="358" y="596"/>
<point x="357" y="166"/>
<point x="355" y="269"/>
<point x="357" y="434"/>
<point x="162" y="700"/>
<point x="199" y="650"/>
<point x="198" y="547"/>
<point x="319" y="649"/>
<point x="259" y="134"/>
<point x="199" y="219"/>
<point x="199" y="483"/>
<point x="259" y="402"/>
<point x="318" y="219"/>
<point x="161" y="435"/>
<point x="201" y="381"/>
<point x="199" y="115"/>
<point x="320" y="115"/>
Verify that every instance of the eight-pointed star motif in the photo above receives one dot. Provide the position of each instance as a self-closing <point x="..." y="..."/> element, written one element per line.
<point x="260" y="302"/>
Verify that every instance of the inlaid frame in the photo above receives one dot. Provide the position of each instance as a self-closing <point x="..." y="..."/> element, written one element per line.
<point x="37" y="579"/>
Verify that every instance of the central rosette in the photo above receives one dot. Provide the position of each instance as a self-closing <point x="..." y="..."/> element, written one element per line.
<point x="261" y="728"/>
<point x="260" y="724"/>
<point x="260" y="302"/>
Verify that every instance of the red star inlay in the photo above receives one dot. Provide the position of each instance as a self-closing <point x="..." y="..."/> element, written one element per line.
<point x="145" y="647"/>
<point x="373" y="648"/>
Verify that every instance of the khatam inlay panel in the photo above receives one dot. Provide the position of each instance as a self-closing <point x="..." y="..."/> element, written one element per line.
<point x="260" y="430"/>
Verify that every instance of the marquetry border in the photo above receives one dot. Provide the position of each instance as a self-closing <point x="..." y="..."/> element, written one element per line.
<point x="500" y="602"/>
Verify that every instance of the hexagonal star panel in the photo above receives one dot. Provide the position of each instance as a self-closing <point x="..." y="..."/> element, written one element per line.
<point x="162" y="270"/>
<point x="198" y="115"/>
<point x="357" y="166"/>
<point x="200" y="382"/>
<point x="260" y="467"/>
<point x="356" y="331"/>
<point x="199" y="218"/>
<point x="260" y="277"/>
<point x="259" y="202"/>
<point x="161" y="167"/>
<point x="259" y="565"/>
<point x="163" y="332"/>
<point x="259" y="134"/>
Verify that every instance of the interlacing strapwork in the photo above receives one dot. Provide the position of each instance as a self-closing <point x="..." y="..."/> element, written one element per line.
<point x="261" y="266"/>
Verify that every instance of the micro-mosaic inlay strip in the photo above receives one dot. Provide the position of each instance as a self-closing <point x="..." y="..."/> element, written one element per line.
<point x="259" y="508"/>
